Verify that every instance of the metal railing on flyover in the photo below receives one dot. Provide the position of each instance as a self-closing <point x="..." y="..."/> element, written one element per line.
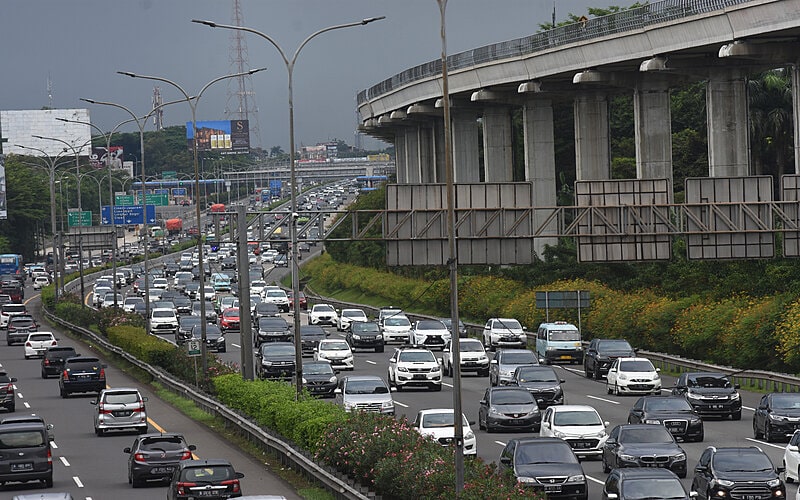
<point x="753" y="379"/>
<point x="299" y="460"/>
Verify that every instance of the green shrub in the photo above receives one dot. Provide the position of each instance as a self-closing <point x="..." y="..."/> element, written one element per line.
<point x="147" y="348"/>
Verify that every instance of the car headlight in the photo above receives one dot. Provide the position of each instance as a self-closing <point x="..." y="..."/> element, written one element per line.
<point x="321" y="354"/>
<point x="577" y="478"/>
<point x="560" y="434"/>
<point x="550" y="348"/>
<point x="267" y="363"/>
<point x="470" y="435"/>
<point x="483" y="357"/>
<point x="494" y="410"/>
<point x="332" y="379"/>
<point x="348" y="405"/>
<point x="623" y="376"/>
<point x="387" y="404"/>
<point x="772" y="483"/>
<point x="725" y="482"/>
<point x="735" y="396"/>
<point x="779" y="418"/>
<point x="624" y="456"/>
<point x="527" y="480"/>
<point x="652" y="421"/>
<point x="656" y="377"/>
<point x="506" y="373"/>
<point x="356" y="337"/>
<point x="692" y="395"/>
<point x="601" y="434"/>
<point x="679" y="457"/>
<point x="379" y="336"/>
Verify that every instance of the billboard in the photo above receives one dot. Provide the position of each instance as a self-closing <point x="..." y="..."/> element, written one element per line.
<point x="3" y="207"/>
<point x="19" y="127"/>
<point x="223" y="136"/>
<point x="100" y="156"/>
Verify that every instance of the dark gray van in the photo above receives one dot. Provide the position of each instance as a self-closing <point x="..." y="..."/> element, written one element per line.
<point x="25" y="453"/>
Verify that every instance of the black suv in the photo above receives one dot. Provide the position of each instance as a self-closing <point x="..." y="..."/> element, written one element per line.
<point x="710" y="394"/>
<point x="601" y="353"/>
<point x="82" y="374"/>
<point x="365" y="334"/>
<point x="276" y="360"/>
<point x="777" y="416"/>
<point x="273" y="330"/>
<point x="53" y="359"/>
<point x="542" y="382"/>
<point x="737" y="472"/>
<point x="7" y="394"/>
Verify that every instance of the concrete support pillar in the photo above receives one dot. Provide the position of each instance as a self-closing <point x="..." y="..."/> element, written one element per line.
<point x="540" y="163"/>
<point x="592" y="137"/>
<point x="728" y="127"/>
<point x="652" y="123"/>
<point x="401" y="159"/>
<point x="796" y="113"/>
<point x="413" y="174"/>
<point x="427" y="166"/>
<point x="497" y="152"/>
<point x="440" y="175"/>
<point x="466" y="155"/>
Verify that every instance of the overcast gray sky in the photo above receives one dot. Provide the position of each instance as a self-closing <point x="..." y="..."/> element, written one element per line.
<point x="79" y="45"/>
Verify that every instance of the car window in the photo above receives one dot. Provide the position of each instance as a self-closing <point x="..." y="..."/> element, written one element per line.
<point x="729" y="462"/>
<point x="121" y="398"/>
<point x="470" y="346"/>
<point x="512" y="397"/>
<point x="39" y="337"/>
<point x="654" y="434"/>
<point x="785" y="401"/>
<point x="518" y="358"/>
<point x="334" y="346"/>
<point x="207" y="473"/>
<point x="637" y="489"/>
<point x="537" y="375"/>
<point x="366" y="387"/>
<point x="667" y="404"/>
<point x="636" y="366"/>
<point x="564" y="335"/>
<point x="542" y="453"/>
<point x="21" y="439"/>
<point x="163" y="444"/>
<point x="577" y="417"/>
<point x="417" y="356"/>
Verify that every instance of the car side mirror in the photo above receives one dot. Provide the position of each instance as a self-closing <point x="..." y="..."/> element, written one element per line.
<point x="93" y="402"/>
<point x="792" y="447"/>
<point x="239" y="475"/>
<point x="505" y="460"/>
<point x="144" y="398"/>
<point x="13" y="379"/>
<point x="127" y="449"/>
<point x="736" y="386"/>
<point x="192" y="447"/>
<point x="611" y="441"/>
<point x="482" y="401"/>
<point x="693" y="494"/>
<point x="393" y="389"/>
<point x="658" y="370"/>
<point x="700" y="468"/>
<point x="439" y="360"/>
<point x="606" y="423"/>
<point x="337" y="391"/>
<point x="780" y="470"/>
<point x="493" y="362"/>
<point x="471" y="422"/>
<point x="612" y="496"/>
<point x="562" y="381"/>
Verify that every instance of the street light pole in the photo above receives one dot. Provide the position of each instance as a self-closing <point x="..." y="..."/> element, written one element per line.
<point x="292" y="176"/>
<point x="192" y="100"/>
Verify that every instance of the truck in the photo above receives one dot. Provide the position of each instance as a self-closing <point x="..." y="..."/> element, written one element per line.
<point x="174" y="226"/>
<point x="218" y="207"/>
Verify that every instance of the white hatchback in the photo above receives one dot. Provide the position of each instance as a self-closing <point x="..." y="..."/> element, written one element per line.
<point x="578" y="425"/>
<point x="438" y="424"/>
<point x="336" y="352"/>
<point x="37" y="343"/>
<point x="633" y="376"/>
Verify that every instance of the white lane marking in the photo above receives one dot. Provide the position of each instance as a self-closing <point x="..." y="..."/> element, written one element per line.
<point x="370" y="362"/>
<point x="19" y="395"/>
<point x="77" y="481"/>
<point x="26" y="404"/>
<point x="401" y="404"/>
<point x="500" y="443"/>
<point x="236" y="345"/>
<point x="766" y="443"/>
<point x="446" y="384"/>
<point x="64" y="461"/>
<point x="603" y="399"/>
<point x="748" y="408"/>
<point x="53" y="445"/>
<point x="590" y="478"/>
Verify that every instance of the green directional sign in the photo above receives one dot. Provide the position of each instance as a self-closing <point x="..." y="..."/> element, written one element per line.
<point x="169" y="174"/>
<point x="123" y="199"/>
<point x="75" y="218"/>
<point x="159" y="200"/>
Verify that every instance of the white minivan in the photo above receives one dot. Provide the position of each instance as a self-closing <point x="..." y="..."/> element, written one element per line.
<point x="559" y="342"/>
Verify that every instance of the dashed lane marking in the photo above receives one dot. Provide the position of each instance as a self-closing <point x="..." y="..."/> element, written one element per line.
<point x="760" y="442"/>
<point x="77" y="481"/>
<point x="400" y="404"/>
<point x="500" y="443"/>
<point x="603" y="399"/>
<point x="370" y="362"/>
<point x="64" y="461"/>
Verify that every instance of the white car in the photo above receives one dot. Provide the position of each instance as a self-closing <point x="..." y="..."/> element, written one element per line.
<point x="160" y="283"/>
<point x="257" y="287"/>
<point x="9" y="310"/>
<point x="396" y="327"/>
<point x="504" y="332"/>
<point x="633" y="376"/>
<point x="130" y="303"/>
<point x="336" y="352"/>
<point x="347" y="316"/>
<point x="278" y="297"/>
<point x="323" y="314"/>
<point x="578" y="425"/>
<point x="791" y="458"/>
<point x="430" y="333"/>
<point x="269" y="255"/>
<point x="108" y="299"/>
<point x="98" y="294"/>
<point x="40" y="282"/>
<point x="472" y="354"/>
<point x="163" y="320"/>
<point x="415" y="367"/>
<point x="438" y="423"/>
<point x="37" y="343"/>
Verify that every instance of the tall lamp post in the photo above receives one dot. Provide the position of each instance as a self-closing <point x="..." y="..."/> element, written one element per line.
<point x="193" y="100"/>
<point x="110" y="190"/>
<point x="293" y="223"/>
<point x="77" y="152"/>
<point x="52" y="165"/>
<point x="140" y="123"/>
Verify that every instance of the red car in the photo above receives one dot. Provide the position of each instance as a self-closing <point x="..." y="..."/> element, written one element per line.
<point x="229" y="319"/>
<point x="303" y="301"/>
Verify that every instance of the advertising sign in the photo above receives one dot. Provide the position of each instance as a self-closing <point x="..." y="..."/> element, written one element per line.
<point x="3" y="207"/>
<point x="222" y="136"/>
<point x="99" y="156"/>
<point x="275" y="187"/>
<point x="127" y="214"/>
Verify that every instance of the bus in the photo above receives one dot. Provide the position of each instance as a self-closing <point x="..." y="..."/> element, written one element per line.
<point x="11" y="263"/>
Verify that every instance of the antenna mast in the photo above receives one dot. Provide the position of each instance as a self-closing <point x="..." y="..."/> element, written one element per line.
<point x="158" y="115"/>
<point x="49" y="91"/>
<point x="243" y="96"/>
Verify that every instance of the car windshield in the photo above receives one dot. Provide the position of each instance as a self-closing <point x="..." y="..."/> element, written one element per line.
<point x="577" y="417"/>
<point x="16" y="308"/>
<point x="445" y="419"/>
<point x="636" y="366"/>
<point x="667" y="404"/>
<point x="537" y="375"/>
<point x="158" y="313"/>
<point x="272" y="324"/>
<point x="318" y="369"/>
<point x="276" y="293"/>
<point x="518" y="358"/>
<point x="786" y="401"/>
<point x="365" y="327"/>
<point x="118" y="398"/>
<point x="323" y="308"/>
<point x="613" y="345"/>
<point x="207" y="473"/>
<point x="21" y="439"/>
<point x="513" y="397"/>
<point x="741" y="462"/>
<point x="709" y="381"/>
<point x="542" y="453"/>
<point x="366" y="387"/>
<point x="277" y="350"/>
<point x="508" y="324"/>
<point x="231" y="313"/>
<point x="471" y="346"/>
<point x="650" y="434"/>
<point x="334" y="346"/>
<point x="564" y="335"/>
<point x="40" y="337"/>
<point x="189" y="321"/>
<point x="397" y="321"/>
<point x="417" y="357"/>
<point x="649" y="488"/>
<point x="353" y="314"/>
<point x="430" y="324"/>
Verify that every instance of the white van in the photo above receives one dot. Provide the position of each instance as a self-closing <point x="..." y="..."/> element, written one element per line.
<point x="559" y="342"/>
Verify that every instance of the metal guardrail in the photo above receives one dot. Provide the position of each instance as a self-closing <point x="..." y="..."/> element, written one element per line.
<point x="298" y="459"/>
<point x="758" y="379"/>
<point x="627" y="20"/>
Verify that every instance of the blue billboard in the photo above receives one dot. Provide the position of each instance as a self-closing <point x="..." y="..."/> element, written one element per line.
<point x="275" y="188"/>
<point x="127" y="214"/>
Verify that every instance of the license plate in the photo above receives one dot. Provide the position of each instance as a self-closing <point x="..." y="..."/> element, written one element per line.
<point x="122" y="413"/>
<point x="565" y="356"/>
<point x="581" y="445"/>
<point x="418" y="376"/>
<point x="206" y="493"/>
<point x="21" y="467"/>
<point x="552" y="488"/>
<point x="162" y="470"/>
<point x="719" y="407"/>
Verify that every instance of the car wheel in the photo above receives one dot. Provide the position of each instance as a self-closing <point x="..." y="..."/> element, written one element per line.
<point x="480" y="423"/>
<point x="142" y="429"/>
<point x="436" y="387"/>
<point x="484" y="373"/>
<point x="98" y="431"/>
<point x="64" y="394"/>
<point x="616" y="389"/>
<point x="608" y="389"/>
<point x="379" y="349"/>
<point x="699" y="438"/>
<point x="44" y="375"/>
<point x="48" y="481"/>
<point x="737" y="415"/>
<point x="11" y="408"/>
<point x="135" y="483"/>
<point x="596" y="373"/>
<point x="606" y="467"/>
<point x="768" y="435"/>
<point x="492" y="381"/>
<point x="756" y="434"/>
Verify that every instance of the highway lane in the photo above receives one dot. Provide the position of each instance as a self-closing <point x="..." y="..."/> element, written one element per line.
<point x="94" y="467"/>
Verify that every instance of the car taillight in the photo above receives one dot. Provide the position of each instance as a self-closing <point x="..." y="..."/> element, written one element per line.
<point x="65" y="375"/>
<point x="49" y="456"/>
<point x="28" y="344"/>
<point x="231" y="482"/>
<point x="102" y="373"/>
<point x="102" y="409"/>
<point x="183" y="488"/>
<point x="54" y="342"/>
<point x="186" y="455"/>
<point x="139" y="457"/>
<point x="10" y="388"/>
<point x="46" y="362"/>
